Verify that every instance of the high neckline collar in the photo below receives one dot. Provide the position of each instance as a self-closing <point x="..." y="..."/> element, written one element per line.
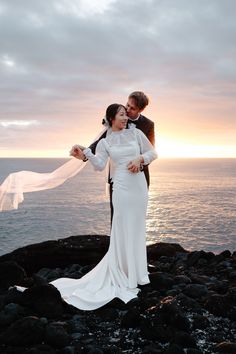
<point x="118" y="131"/>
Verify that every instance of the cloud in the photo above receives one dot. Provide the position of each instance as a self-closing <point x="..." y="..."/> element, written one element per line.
<point x="18" y="123"/>
<point x="83" y="8"/>
<point x="65" y="60"/>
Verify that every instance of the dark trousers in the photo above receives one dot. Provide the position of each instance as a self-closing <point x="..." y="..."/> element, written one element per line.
<point x="111" y="204"/>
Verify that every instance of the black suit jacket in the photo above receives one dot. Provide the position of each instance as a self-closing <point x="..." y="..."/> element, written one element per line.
<point x="147" y="127"/>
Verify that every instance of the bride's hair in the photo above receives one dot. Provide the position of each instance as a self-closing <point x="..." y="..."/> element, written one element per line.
<point x="112" y="110"/>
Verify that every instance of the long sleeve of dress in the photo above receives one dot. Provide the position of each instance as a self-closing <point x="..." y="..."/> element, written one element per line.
<point x="147" y="149"/>
<point x="99" y="160"/>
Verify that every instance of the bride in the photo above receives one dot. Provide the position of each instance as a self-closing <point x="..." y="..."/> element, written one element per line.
<point x="124" y="266"/>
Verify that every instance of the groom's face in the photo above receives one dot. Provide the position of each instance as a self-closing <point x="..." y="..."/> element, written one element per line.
<point x="132" y="109"/>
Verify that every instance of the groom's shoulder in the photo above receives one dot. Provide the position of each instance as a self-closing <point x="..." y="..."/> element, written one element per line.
<point x="146" y="120"/>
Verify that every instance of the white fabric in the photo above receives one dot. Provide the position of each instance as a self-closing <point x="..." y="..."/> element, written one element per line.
<point x="115" y="139"/>
<point x="16" y="184"/>
<point x="124" y="266"/>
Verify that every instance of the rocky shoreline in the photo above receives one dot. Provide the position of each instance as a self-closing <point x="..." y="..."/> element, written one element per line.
<point x="188" y="307"/>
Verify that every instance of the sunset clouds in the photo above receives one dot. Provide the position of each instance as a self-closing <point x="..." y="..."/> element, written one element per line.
<point x="62" y="62"/>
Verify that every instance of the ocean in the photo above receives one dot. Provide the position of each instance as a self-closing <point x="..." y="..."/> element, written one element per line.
<point x="191" y="202"/>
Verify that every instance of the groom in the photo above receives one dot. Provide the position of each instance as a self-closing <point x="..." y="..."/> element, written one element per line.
<point x="137" y="102"/>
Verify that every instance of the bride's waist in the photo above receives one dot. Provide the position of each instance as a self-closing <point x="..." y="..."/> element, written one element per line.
<point x="121" y="171"/>
<point x="121" y="168"/>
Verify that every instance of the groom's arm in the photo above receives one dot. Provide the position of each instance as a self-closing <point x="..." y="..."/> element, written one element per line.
<point x="94" y="145"/>
<point x="151" y="137"/>
<point x="151" y="134"/>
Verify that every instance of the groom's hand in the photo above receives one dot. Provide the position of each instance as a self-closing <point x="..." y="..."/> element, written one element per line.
<point x="135" y="165"/>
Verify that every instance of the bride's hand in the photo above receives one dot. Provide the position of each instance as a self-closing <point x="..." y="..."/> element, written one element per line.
<point x="77" y="152"/>
<point x="134" y="165"/>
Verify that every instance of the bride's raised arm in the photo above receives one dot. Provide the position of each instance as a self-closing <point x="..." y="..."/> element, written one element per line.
<point x="99" y="160"/>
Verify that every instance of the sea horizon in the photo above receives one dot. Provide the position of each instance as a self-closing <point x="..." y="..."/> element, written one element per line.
<point x="192" y="201"/>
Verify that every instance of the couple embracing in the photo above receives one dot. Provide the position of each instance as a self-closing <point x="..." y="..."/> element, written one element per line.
<point x="136" y="103"/>
<point x="128" y="144"/>
<point x="124" y="266"/>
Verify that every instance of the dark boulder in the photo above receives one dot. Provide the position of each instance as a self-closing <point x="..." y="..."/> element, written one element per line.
<point x="200" y="321"/>
<point x="195" y="290"/>
<point x="131" y="319"/>
<point x="226" y="347"/>
<point x="182" y="279"/>
<point x="85" y="250"/>
<point x="107" y="313"/>
<point x="10" y="313"/>
<point x="25" y="331"/>
<point x="41" y="349"/>
<point x="152" y="330"/>
<point x="45" y="300"/>
<point x="82" y="250"/>
<point x="220" y="305"/>
<point x="11" y="273"/>
<point x="174" y="349"/>
<point x="159" y="249"/>
<point x="171" y="314"/>
<point x="193" y="351"/>
<point x="184" y="339"/>
<point x="161" y="280"/>
<point x="56" y="334"/>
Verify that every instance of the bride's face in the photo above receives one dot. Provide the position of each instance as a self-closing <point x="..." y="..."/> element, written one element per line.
<point x="120" y="120"/>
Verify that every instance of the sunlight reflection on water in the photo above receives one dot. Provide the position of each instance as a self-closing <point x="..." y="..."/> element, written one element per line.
<point x="191" y="202"/>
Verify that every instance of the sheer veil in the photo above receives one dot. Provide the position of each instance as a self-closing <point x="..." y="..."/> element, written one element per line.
<point x="16" y="184"/>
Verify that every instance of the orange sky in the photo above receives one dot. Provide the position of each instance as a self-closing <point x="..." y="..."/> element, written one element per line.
<point x="63" y="63"/>
<point x="181" y="131"/>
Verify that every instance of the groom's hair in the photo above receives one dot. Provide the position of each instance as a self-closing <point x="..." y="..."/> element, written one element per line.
<point x="140" y="98"/>
<point x="111" y="112"/>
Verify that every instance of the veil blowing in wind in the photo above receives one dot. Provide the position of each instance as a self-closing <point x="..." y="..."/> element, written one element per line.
<point x="17" y="183"/>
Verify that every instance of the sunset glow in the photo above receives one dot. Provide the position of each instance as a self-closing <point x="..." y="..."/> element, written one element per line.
<point x="64" y="62"/>
<point x="168" y="149"/>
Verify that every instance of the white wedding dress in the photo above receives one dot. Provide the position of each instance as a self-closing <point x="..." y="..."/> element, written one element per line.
<point x="124" y="266"/>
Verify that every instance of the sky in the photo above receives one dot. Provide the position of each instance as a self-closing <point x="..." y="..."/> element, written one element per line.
<point x="62" y="62"/>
